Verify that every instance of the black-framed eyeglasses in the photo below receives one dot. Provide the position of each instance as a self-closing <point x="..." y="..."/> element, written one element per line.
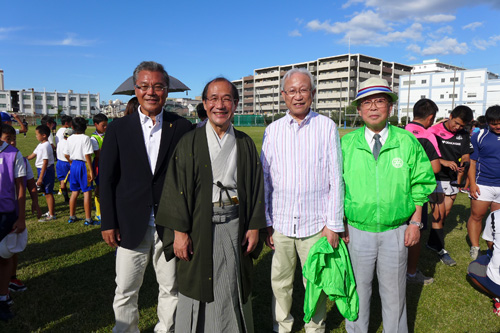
<point x="156" y="87"/>
<point x="292" y="92"/>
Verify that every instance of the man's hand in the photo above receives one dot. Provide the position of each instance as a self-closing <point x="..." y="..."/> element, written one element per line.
<point x="474" y="191"/>
<point x="269" y="238"/>
<point x="412" y="235"/>
<point x="331" y="236"/>
<point x="111" y="237"/>
<point x="183" y="246"/>
<point x="449" y="164"/>
<point x="39" y="182"/>
<point x="250" y="239"/>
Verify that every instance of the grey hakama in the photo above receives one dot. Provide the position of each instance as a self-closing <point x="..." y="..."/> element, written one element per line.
<point x="226" y="313"/>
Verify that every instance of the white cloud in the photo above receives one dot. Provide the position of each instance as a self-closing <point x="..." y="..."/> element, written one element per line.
<point x="472" y="26"/>
<point x="299" y="21"/>
<point x="5" y="31"/>
<point x="294" y="33"/>
<point x="444" y="46"/>
<point x="484" y="44"/>
<point x="70" y="40"/>
<point x="414" y="48"/>
<point x="438" y="18"/>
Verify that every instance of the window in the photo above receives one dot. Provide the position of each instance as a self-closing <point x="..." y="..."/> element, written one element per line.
<point x="443" y="80"/>
<point x="453" y="96"/>
<point x="422" y="96"/>
<point x="26" y="97"/>
<point x="39" y="107"/>
<point x="3" y="95"/>
<point x="50" y="98"/>
<point x="27" y="106"/>
<point x="406" y="83"/>
<point x="441" y="96"/>
<point x="93" y="99"/>
<point x="61" y="98"/>
<point x="471" y="95"/>
<point x="72" y="99"/>
<point x="453" y="79"/>
<point x="38" y="98"/>
<point x="3" y="106"/>
<point x="424" y="81"/>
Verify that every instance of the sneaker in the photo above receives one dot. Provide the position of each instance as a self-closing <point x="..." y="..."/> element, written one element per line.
<point x="60" y="192"/>
<point x="87" y="223"/>
<point x="47" y="218"/>
<point x="446" y="259"/>
<point x="46" y="214"/>
<point x="474" y="252"/>
<point x="97" y="222"/>
<point x="5" y="312"/>
<point x="419" y="278"/>
<point x="16" y="285"/>
<point x="496" y="306"/>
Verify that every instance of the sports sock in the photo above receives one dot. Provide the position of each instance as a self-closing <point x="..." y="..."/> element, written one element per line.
<point x="97" y="206"/>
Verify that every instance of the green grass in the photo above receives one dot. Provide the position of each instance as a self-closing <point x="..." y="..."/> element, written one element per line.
<point x="70" y="276"/>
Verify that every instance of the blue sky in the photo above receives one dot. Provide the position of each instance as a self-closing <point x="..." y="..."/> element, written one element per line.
<point x="95" y="45"/>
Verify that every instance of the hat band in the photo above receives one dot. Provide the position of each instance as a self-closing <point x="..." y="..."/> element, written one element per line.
<point x="382" y="89"/>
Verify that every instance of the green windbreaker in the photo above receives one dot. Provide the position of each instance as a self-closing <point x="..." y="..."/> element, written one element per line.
<point x="329" y="270"/>
<point x="381" y="195"/>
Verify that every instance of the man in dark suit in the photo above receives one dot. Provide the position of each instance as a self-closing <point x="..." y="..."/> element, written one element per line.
<point x="133" y="164"/>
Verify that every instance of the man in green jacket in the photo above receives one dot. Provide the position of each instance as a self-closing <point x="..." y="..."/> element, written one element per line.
<point x="212" y="209"/>
<point x="387" y="179"/>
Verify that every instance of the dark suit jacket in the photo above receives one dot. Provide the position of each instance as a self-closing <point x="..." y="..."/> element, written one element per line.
<point x="128" y="189"/>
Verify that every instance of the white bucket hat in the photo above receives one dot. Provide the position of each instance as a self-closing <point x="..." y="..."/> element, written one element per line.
<point x="13" y="243"/>
<point x="372" y="86"/>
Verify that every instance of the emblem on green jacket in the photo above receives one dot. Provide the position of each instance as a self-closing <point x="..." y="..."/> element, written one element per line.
<point x="397" y="162"/>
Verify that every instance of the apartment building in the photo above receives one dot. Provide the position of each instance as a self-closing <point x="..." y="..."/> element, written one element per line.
<point x="337" y="79"/>
<point x="30" y="102"/>
<point x="476" y="88"/>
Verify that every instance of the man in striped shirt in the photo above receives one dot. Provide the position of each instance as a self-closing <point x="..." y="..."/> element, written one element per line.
<point x="302" y="165"/>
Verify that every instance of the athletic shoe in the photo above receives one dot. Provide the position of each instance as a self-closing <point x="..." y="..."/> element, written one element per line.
<point x="16" y="285"/>
<point x="87" y="223"/>
<point x="96" y="222"/>
<point x="446" y="259"/>
<point x="60" y="192"/>
<point x="72" y="220"/>
<point x="474" y="252"/>
<point x="496" y="306"/>
<point x="5" y="312"/>
<point x="98" y="217"/>
<point x="47" y="218"/>
<point x="46" y="214"/>
<point x="419" y="278"/>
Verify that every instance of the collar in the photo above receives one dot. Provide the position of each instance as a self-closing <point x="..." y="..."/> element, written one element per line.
<point x="229" y="131"/>
<point x="383" y="134"/>
<point x="143" y="118"/>
<point x="417" y="124"/>
<point x="290" y="120"/>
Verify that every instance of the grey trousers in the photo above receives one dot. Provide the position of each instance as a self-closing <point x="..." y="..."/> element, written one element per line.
<point x="385" y="253"/>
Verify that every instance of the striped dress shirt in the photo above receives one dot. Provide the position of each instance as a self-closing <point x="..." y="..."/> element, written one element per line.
<point x="303" y="176"/>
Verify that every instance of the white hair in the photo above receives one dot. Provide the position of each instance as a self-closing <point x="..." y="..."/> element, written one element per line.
<point x="295" y="71"/>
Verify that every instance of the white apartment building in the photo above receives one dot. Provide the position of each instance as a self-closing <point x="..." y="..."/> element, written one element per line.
<point x="30" y="102"/>
<point x="476" y="88"/>
<point x="337" y="80"/>
<point x="434" y="66"/>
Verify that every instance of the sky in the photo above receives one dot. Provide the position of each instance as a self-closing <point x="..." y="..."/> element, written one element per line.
<point x="93" y="46"/>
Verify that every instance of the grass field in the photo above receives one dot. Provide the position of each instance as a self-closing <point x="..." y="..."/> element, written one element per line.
<point x="70" y="275"/>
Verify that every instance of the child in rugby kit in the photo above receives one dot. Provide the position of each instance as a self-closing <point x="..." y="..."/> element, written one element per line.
<point x="46" y="172"/>
<point x="62" y="165"/>
<point x="454" y="145"/>
<point x="484" y="176"/>
<point x="101" y="123"/>
<point x="79" y="151"/>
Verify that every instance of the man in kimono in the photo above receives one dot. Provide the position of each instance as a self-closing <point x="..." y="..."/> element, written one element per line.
<point x="212" y="209"/>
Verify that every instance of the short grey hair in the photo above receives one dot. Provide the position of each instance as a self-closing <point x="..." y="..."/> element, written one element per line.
<point x="296" y="71"/>
<point x="152" y="67"/>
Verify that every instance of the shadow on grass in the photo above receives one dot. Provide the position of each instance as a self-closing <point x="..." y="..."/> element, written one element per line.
<point x="77" y="298"/>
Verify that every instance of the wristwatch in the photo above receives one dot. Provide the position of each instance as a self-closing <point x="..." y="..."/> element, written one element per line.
<point x="420" y="225"/>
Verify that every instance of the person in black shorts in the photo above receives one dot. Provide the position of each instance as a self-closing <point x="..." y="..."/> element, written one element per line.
<point x="455" y="147"/>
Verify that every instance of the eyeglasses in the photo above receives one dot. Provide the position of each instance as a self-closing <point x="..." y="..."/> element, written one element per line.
<point x="224" y="100"/>
<point x="156" y="87"/>
<point x="292" y="92"/>
<point x="379" y="103"/>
